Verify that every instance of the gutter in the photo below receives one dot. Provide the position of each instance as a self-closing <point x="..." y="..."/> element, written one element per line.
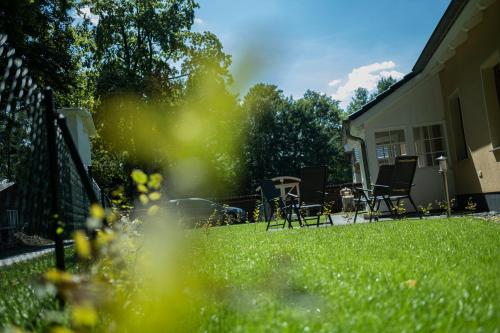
<point x="346" y="124"/>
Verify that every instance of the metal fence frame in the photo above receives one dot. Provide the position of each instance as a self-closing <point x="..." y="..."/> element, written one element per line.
<point x="21" y="94"/>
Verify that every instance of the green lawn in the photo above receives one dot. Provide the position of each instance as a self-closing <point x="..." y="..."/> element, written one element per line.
<point x="404" y="276"/>
<point x="20" y="305"/>
<point x="352" y="278"/>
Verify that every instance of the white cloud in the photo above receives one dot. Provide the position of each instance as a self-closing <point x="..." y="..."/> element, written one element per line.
<point x="198" y="21"/>
<point x="334" y="83"/>
<point x="85" y="13"/>
<point x="365" y="77"/>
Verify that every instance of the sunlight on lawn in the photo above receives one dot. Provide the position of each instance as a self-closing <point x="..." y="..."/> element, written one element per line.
<point x="411" y="275"/>
<point x="391" y="276"/>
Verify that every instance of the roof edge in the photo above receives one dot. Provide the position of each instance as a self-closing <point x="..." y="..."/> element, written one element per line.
<point x="365" y="108"/>
<point x="444" y="25"/>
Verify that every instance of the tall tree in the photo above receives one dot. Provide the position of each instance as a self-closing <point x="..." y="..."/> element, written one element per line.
<point x="285" y="135"/>
<point x="314" y="136"/>
<point x="142" y="46"/>
<point x="43" y="38"/>
<point x="360" y="98"/>
<point x="41" y="31"/>
<point x="384" y="83"/>
<point x="263" y="147"/>
<point x="151" y="72"/>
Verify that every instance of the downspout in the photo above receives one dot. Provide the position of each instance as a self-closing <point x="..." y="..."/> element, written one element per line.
<point x="347" y="125"/>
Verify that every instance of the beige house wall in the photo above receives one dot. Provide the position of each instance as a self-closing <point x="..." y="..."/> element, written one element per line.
<point x="421" y="105"/>
<point x="462" y="75"/>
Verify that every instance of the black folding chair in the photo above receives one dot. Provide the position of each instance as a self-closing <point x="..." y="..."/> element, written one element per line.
<point x="373" y="196"/>
<point x="275" y="205"/>
<point x="402" y="182"/>
<point x="312" y="196"/>
<point x="394" y="184"/>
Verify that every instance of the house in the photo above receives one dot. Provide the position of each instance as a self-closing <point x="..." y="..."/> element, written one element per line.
<point x="81" y="127"/>
<point x="449" y="104"/>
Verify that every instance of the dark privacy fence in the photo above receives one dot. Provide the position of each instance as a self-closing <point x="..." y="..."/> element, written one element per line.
<point x="44" y="185"/>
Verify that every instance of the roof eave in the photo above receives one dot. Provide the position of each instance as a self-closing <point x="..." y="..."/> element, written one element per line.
<point x="443" y="27"/>
<point x="365" y="108"/>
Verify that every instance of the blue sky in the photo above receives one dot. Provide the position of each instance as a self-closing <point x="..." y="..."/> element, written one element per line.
<point x="331" y="46"/>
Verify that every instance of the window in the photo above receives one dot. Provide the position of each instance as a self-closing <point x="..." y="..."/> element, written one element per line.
<point x="356" y="154"/>
<point x="389" y="144"/>
<point x="457" y="129"/>
<point x="490" y="71"/>
<point x="12" y="218"/>
<point x="430" y="143"/>
<point x="356" y="158"/>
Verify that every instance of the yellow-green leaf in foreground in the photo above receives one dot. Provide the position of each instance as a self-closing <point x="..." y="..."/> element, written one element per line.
<point x="139" y="177"/>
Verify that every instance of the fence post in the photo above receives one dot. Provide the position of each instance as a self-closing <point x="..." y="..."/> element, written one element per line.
<point x="55" y="215"/>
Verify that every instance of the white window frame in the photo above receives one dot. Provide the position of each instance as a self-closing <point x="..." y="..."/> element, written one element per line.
<point x="444" y="137"/>
<point x="390" y="159"/>
<point x="356" y="164"/>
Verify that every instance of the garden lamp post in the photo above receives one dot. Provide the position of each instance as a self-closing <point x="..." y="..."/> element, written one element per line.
<point x="443" y="170"/>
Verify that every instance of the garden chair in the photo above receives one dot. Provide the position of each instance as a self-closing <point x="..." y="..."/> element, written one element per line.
<point x="312" y="196"/>
<point x="394" y="184"/>
<point x="373" y="196"/>
<point x="276" y="206"/>
<point x="402" y="182"/>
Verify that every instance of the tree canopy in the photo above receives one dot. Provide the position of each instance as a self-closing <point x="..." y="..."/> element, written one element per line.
<point x="384" y="83"/>
<point x="146" y="64"/>
<point x="160" y="95"/>
<point x="362" y="96"/>
<point x="285" y="135"/>
<point x="43" y="35"/>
